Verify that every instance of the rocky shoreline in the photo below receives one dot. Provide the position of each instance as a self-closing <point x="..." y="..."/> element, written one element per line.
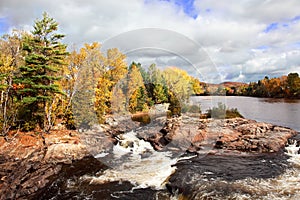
<point x="30" y="164"/>
<point x="237" y="134"/>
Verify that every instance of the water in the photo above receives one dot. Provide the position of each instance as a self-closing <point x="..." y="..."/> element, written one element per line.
<point x="137" y="171"/>
<point x="138" y="163"/>
<point x="231" y="176"/>
<point x="283" y="112"/>
<point x="265" y="176"/>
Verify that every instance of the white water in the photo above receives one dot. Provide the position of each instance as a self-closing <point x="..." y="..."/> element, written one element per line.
<point x="284" y="187"/>
<point x="141" y="165"/>
<point x="144" y="167"/>
<point x="293" y="152"/>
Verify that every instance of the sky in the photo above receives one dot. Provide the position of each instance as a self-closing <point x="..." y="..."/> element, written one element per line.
<point x="214" y="40"/>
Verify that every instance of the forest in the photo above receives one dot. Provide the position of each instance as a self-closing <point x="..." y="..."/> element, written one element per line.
<point x="277" y="87"/>
<point x="43" y="84"/>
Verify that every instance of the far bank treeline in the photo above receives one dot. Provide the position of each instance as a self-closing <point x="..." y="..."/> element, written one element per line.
<point x="278" y="87"/>
<point x="42" y="84"/>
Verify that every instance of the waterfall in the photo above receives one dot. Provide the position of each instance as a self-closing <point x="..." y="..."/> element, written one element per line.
<point x="137" y="162"/>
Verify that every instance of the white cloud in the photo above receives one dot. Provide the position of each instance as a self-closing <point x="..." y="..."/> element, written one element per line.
<point x="231" y="32"/>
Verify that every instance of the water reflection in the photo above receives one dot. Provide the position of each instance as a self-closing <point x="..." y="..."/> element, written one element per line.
<point x="283" y="112"/>
<point x="273" y="100"/>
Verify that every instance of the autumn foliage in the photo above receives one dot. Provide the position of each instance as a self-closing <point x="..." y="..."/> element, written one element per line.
<point x="43" y="85"/>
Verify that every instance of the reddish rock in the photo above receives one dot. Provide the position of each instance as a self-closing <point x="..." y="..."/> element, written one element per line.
<point x="235" y="134"/>
<point x="26" y="165"/>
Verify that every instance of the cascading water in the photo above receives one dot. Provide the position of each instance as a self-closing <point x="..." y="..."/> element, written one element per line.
<point x="138" y="162"/>
<point x="242" y="177"/>
<point x="143" y="173"/>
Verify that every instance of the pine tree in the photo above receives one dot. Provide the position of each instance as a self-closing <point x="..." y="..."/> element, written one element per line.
<point x="44" y="58"/>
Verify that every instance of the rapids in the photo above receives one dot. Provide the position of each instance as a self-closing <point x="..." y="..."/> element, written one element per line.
<point x="140" y="172"/>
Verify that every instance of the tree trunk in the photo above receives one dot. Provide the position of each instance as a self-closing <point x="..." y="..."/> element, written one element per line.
<point x="6" y="126"/>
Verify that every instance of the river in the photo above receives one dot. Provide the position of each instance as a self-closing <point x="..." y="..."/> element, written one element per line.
<point x="143" y="173"/>
<point x="283" y="112"/>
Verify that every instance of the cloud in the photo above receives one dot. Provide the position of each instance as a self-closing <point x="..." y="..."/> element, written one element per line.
<point x="243" y="40"/>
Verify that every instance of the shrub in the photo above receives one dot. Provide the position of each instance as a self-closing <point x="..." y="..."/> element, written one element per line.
<point x="186" y="108"/>
<point x="221" y="112"/>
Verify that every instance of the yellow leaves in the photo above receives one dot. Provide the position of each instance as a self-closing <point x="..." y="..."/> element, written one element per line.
<point x="178" y="82"/>
<point x="196" y="84"/>
<point x="93" y="57"/>
<point x="94" y="45"/>
<point x="6" y="64"/>
<point x="116" y="63"/>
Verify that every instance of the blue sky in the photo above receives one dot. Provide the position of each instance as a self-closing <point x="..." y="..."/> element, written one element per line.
<point x="245" y="40"/>
<point x="4" y="27"/>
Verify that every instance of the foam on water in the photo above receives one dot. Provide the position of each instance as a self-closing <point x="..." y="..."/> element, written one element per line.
<point x="141" y="164"/>
<point x="144" y="167"/>
<point x="285" y="186"/>
<point x="293" y="151"/>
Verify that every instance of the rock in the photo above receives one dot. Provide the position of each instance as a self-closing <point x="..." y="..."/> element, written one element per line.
<point x="237" y="134"/>
<point x="65" y="153"/>
<point x="250" y="136"/>
<point x="26" y="169"/>
<point x="28" y="163"/>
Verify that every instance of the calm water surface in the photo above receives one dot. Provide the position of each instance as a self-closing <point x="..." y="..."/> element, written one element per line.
<point x="284" y="112"/>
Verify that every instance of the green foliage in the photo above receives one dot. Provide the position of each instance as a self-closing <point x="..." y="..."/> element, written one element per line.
<point x="221" y="112"/>
<point x="146" y="88"/>
<point x="45" y="55"/>
<point x="42" y="84"/>
<point x="187" y="108"/>
<point x="137" y="96"/>
<point x="218" y="112"/>
<point x="293" y="84"/>
<point x="233" y="113"/>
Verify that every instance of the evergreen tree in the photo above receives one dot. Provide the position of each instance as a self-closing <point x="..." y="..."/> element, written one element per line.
<point x="293" y="85"/>
<point x="43" y="61"/>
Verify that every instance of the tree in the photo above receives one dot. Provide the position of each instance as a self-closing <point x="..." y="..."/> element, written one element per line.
<point x="68" y="83"/>
<point x="115" y="70"/>
<point x="156" y="85"/>
<point x="10" y="61"/>
<point x="179" y="82"/>
<point x="45" y="55"/>
<point x="196" y="84"/>
<point x="136" y="92"/>
<point x="92" y="66"/>
<point x="293" y="84"/>
<point x="179" y="88"/>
